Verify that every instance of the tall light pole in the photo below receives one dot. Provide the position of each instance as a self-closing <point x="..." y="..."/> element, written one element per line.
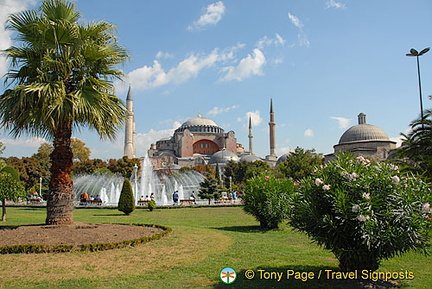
<point x="40" y="187"/>
<point x="415" y="53"/>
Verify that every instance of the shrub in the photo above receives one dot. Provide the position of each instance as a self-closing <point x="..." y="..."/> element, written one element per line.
<point x="151" y="205"/>
<point x="268" y="199"/>
<point x="126" y="202"/>
<point x="363" y="212"/>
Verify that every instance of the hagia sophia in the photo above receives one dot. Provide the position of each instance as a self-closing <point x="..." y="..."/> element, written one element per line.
<point x="200" y="141"/>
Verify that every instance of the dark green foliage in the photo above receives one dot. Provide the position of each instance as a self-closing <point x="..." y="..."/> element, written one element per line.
<point x="126" y="202"/>
<point x="10" y="187"/>
<point x="151" y="205"/>
<point x="209" y="188"/>
<point x="363" y="212"/>
<point x="239" y="172"/>
<point x="124" y="166"/>
<point x="415" y="154"/>
<point x="300" y="163"/>
<point x="268" y="199"/>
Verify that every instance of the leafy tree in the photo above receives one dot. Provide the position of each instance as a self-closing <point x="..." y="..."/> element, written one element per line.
<point x="300" y="164"/>
<point x="240" y="172"/>
<point x="124" y="166"/>
<point x="63" y="73"/>
<point x="126" y="202"/>
<point x="80" y="151"/>
<point x="89" y="166"/>
<point x="268" y="199"/>
<point x="10" y="187"/>
<point x="209" y="188"/>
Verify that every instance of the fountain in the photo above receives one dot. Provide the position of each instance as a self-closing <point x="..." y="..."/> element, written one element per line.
<point x="108" y="186"/>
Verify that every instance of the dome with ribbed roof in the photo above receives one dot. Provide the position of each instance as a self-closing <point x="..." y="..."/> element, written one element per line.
<point x="200" y="124"/>
<point x="222" y="157"/>
<point x="363" y="132"/>
<point x="250" y="158"/>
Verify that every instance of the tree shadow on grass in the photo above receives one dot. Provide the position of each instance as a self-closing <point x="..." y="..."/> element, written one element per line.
<point x="300" y="277"/>
<point x="244" y="229"/>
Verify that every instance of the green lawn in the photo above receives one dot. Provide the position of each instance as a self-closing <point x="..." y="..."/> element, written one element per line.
<point x="204" y="240"/>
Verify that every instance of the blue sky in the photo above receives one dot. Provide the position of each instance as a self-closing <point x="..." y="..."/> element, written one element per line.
<point x="323" y="62"/>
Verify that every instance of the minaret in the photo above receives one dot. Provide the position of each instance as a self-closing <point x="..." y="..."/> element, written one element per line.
<point x="272" y="132"/>
<point x="250" y="136"/>
<point x="130" y="133"/>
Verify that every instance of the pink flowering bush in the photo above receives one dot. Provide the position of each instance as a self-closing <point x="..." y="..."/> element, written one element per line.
<point x="363" y="211"/>
<point x="268" y="199"/>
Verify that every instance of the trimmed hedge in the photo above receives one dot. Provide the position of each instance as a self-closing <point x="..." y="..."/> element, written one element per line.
<point x="62" y="248"/>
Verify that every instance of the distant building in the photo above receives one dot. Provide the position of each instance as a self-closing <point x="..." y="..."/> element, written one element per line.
<point x="198" y="141"/>
<point x="365" y="140"/>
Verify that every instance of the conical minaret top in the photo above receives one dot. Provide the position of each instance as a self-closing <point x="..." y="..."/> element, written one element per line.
<point x="130" y="133"/>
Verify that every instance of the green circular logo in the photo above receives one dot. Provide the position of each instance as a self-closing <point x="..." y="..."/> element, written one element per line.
<point x="228" y="275"/>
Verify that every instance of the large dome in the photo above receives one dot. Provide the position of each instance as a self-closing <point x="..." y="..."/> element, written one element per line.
<point x="363" y="132"/>
<point x="200" y="124"/>
<point x="197" y="121"/>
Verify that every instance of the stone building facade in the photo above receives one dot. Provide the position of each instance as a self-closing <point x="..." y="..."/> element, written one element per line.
<point x="365" y="140"/>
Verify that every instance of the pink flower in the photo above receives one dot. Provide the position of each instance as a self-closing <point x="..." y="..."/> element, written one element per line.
<point x="353" y="176"/>
<point x="267" y="177"/>
<point x="355" y="208"/>
<point x="426" y="208"/>
<point x="361" y="218"/>
<point x="366" y="196"/>
<point x="318" y="182"/>
<point x="326" y="187"/>
<point x="395" y="179"/>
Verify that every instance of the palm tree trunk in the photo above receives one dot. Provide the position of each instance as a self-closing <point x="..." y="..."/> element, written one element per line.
<point x="60" y="196"/>
<point x="4" y="210"/>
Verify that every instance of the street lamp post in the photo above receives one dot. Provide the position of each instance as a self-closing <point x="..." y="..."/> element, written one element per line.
<point x="40" y="187"/>
<point x="415" y="53"/>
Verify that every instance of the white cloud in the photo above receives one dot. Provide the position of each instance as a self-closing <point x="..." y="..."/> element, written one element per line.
<point x="148" y="77"/>
<point x="295" y="20"/>
<point x="283" y="150"/>
<point x="250" y="65"/>
<point x="144" y="140"/>
<point x="255" y="116"/>
<point x="301" y="36"/>
<point x="212" y="15"/>
<point x="162" y="54"/>
<point x="398" y="140"/>
<point x="8" y="7"/>
<point x="343" y="122"/>
<point x="309" y="133"/>
<point x="334" y="4"/>
<point x="266" y="41"/>
<point x="23" y="146"/>
<point x="218" y="110"/>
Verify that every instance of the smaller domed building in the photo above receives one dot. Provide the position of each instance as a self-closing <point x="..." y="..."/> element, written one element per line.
<point x="365" y="140"/>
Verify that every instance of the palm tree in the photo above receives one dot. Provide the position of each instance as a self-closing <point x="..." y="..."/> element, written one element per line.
<point x="63" y="71"/>
<point x="416" y="150"/>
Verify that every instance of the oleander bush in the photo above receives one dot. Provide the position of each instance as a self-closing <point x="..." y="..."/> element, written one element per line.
<point x="126" y="203"/>
<point x="363" y="212"/>
<point x="268" y="199"/>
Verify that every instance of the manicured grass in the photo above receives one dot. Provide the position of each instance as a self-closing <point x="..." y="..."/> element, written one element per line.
<point x="204" y="240"/>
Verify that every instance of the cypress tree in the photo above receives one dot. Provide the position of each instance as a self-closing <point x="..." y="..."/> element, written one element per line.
<point x="126" y="202"/>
